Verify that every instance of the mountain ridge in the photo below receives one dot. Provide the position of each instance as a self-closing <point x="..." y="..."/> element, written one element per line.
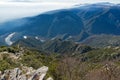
<point x="75" y="24"/>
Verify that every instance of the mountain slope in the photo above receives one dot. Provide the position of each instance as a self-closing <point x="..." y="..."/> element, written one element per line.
<point x="75" y="24"/>
<point x="53" y="46"/>
<point x="102" y="41"/>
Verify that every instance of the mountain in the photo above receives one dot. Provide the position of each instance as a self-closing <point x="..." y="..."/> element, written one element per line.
<point x="77" y="23"/>
<point x="100" y="41"/>
<point x="65" y="47"/>
<point x="80" y="43"/>
<point x="53" y="46"/>
<point x="29" y="42"/>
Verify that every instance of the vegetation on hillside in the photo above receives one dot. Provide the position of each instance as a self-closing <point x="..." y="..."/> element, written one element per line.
<point x="97" y="64"/>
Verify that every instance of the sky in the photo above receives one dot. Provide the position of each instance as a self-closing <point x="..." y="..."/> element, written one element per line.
<point x="13" y="9"/>
<point x="75" y="1"/>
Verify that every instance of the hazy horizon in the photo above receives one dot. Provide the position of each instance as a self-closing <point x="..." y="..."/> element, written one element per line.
<point x="13" y="9"/>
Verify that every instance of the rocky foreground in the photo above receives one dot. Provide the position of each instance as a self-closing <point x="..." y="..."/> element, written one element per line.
<point x="25" y="73"/>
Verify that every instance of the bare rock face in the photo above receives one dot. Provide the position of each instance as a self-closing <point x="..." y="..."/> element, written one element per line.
<point x="39" y="74"/>
<point x="10" y="74"/>
<point x="25" y="73"/>
<point x="50" y="78"/>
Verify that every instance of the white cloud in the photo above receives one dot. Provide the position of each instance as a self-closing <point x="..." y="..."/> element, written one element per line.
<point x="75" y="1"/>
<point x="12" y="9"/>
<point x="15" y="10"/>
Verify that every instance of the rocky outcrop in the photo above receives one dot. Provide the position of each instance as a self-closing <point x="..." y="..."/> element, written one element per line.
<point x="25" y="73"/>
<point x="50" y="78"/>
<point x="39" y="73"/>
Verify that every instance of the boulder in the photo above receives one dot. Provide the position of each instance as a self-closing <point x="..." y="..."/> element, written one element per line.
<point x="39" y="73"/>
<point x="50" y="78"/>
<point x="26" y="73"/>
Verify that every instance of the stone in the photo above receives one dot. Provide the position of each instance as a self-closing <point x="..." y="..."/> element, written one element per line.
<point x="50" y="78"/>
<point x="39" y="74"/>
<point x="27" y="73"/>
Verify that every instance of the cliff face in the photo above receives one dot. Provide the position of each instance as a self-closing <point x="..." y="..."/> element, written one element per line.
<point x="25" y="73"/>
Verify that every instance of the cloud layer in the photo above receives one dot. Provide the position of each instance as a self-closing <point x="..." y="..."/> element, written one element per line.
<point x="75" y="1"/>
<point x="18" y="10"/>
<point x="12" y="9"/>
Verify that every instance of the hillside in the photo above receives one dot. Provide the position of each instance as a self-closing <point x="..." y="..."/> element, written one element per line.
<point x="102" y="41"/>
<point x="31" y="64"/>
<point x="53" y="46"/>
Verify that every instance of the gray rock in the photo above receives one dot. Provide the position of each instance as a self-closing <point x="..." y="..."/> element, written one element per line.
<point x="29" y="74"/>
<point x="39" y="73"/>
<point x="14" y="74"/>
<point x="22" y="77"/>
<point x="50" y="78"/>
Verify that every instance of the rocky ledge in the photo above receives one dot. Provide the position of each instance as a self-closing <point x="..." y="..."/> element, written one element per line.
<point x="25" y="73"/>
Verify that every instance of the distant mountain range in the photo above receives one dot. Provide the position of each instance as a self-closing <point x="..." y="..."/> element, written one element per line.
<point x="103" y="40"/>
<point x="75" y="24"/>
<point x="53" y="46"/>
